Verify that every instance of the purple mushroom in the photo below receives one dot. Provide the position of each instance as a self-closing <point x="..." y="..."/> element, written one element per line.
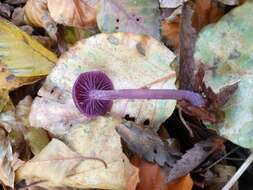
<point x="93" y="93"/>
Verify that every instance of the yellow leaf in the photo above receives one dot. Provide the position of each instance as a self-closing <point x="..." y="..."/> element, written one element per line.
<point x="22" y="59"/>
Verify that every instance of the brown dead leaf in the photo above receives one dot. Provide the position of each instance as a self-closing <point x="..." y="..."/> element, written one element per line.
<point x="182" y="183"/>
<point x="78" y="13"/>
<point x="170" y="33"/>
<point x="152" y="177"/>
<point x="194" y="157"/>
<point x="147" y="144"/>
<point x="37" y="14"/>
<point x="206" y="12"/>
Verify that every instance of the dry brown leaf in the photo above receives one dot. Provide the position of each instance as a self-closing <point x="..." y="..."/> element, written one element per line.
<point x="206" y="12"/>
<point x="152" y="178"/>
<point x="182" y="183"/>
<point x="37" y="14"/>
<point x="170" y="33"/>
<point x="78" y="13"/>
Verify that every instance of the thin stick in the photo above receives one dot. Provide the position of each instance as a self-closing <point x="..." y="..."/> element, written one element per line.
<point x="239" y="172"/>
<point x="184" y="122"/>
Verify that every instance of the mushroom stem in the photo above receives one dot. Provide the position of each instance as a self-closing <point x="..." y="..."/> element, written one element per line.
<point x="194" y="98"/>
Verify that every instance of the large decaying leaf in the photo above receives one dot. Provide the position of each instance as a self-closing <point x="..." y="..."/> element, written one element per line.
<point x="65" y="164"/>
<point x="22" y="59"/>
<point x="136" y="16"/>
<point x="131" y="61"/>
<point x="226" y="51"/>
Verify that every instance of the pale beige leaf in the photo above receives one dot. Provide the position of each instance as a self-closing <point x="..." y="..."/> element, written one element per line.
<point x="78" y="13"/>
<point x="65" y="164"/>
<point x="131" y="61"/>
<point x="6" y="159"/>
<point x="99" y="139"/>
<point x="53" y="163"/>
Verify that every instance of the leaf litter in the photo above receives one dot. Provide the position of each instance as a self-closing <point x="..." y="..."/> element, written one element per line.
<point x="47" y="143"/>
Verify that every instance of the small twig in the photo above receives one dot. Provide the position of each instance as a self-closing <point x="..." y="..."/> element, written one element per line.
<point x="222" y="158"/>
<point x="239" y="172"/>
<point x="184" y="122"/>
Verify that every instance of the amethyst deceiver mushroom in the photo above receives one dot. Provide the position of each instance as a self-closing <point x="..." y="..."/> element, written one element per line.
<point x="93" y="93"/>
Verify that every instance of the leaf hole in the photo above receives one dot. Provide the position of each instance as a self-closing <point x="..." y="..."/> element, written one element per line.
<point x="117" y="20"/>
<point x="137" y="19"/>
<point x="128" y="118"/>
<point x="116" y="27"/>
<point x="52" y="91"/>
<point x="155" y="151"/>
<point x="146" y="122"/>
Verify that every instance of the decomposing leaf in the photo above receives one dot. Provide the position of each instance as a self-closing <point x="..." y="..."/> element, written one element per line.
<point x="68" y="164"/>
<point x="53" y="163"/>
<point x="171" y="3"/>
<point x="230" y="2"/>
<point x="226" y="51"/>
<point x="78" y="13"/>
<point x="37" y="14"/>
<point x="139" y="16"/>
<point x="182" y="183"/>
<point x="147" y="144"/>
<point x="131" y="61"/>
<point x="222" y="173"/>
<point x="193" y="158"/>
<point x="36" y="138"/>
<point x="4" y="98"/>
<point x="152" y="178"/>
<point x="206" y="12"/>
<point x="6" y="160"/>
<point x="22" y="59"/>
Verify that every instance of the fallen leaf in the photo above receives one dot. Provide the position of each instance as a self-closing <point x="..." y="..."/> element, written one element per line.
<point x="222" y="174"/>
<point x="131" y="61"/>
<point x="193" y="158"/>
<point x="37" y="138"/>
<point x="206" y="12"/>
<point x="22" y="59"/>
<point x="49" y="164"/>
<point x="147" y="144"/>
<point x="140" y="17"/>
<point x="152" y="178"/>
<point x="230" y="2"/>
<point x="37" y="14"/>
<point x="227" y="58"/>
<point x="182" y="183"/>
<point x="5" y="10"/>
<point x="96" y="140"/>
<point x="78" y="13"/>
<point x="171" y="3"/>
<point x="6" y="160"/>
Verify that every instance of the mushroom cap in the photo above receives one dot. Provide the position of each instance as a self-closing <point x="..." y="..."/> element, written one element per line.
<point x="94" y="80"/>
